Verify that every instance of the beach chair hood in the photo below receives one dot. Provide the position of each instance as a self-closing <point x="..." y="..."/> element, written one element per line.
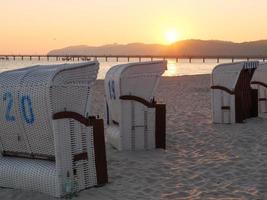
<point x="259" y="83"/>
<point x="135" y="79"/>
<point x="259" y="76"/>
<point x="29" y="98"/>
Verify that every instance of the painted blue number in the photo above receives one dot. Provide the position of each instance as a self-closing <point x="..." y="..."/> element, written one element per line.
<point x="9" y="98"/>
<point x="27" y="112"/>
<point x="112" y="93"/>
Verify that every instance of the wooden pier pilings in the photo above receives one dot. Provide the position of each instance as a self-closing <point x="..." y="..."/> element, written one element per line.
<point x="140" y="58"/>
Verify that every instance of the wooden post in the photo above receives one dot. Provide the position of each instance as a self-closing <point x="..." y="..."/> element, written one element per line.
<point x="117" y="59"/>
<point x="128" y="59"/>
<point x="21" y="57"/>
<point x="39" y="58"/>
<point x="203" y="60"/>
<point x="14" y="57"/>
<point x="177" y="60"/>
<point x="247" y="59"/>
<point x="47" y="57"/>
<point x="151" y="58"/>
<point x="160" y="129"/>
<point x="106" y="59"/>
<point x="30" y="58"/>
<point x="190" y="60"/>
<point x="140" y="59"/>
<point x="218" y="60"/>
<point x="233" y="60"/>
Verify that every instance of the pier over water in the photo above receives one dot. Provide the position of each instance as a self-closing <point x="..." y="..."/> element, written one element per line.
<point x="129" y="57"/>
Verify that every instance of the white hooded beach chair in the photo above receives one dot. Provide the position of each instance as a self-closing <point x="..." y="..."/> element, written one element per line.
<point x="259" y="83"/>
<point x="49" y="142"/>
<point x="233" y="100"/>
<point x="134" y="120"/>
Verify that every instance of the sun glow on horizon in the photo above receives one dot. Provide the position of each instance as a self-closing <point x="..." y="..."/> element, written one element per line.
<point x="172" y="36"/>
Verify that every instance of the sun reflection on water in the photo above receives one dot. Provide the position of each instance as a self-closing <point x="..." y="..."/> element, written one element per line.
<point x="172" y="69"/>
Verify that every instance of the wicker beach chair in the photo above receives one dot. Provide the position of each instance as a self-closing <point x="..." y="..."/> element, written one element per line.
<point x="134" y="120"/>
<point x="49" y="142"/>
<point x="259" y="83"/>
<point x="233" y="100"/>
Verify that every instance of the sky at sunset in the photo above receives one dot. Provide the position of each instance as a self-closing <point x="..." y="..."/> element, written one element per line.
<point x="37" y="26"/>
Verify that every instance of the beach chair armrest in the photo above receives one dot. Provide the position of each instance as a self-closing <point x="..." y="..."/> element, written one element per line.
<point x="218" y="87"/>
<point x="99" y="142"/>
<point x="139" y="99"/>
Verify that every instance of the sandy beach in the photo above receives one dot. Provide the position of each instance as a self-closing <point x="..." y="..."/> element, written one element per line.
<point x="202" y="160"/>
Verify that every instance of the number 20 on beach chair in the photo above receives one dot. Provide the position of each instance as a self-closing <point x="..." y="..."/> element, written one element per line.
<point x="134" y="121"/>
<point x="49" y="142"/>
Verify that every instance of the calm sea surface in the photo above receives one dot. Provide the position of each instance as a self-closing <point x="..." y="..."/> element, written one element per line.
<point x="183" y="67"/>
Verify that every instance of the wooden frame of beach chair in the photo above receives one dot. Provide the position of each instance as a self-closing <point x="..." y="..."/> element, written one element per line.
<point x="49" y="142"/>
<point x="233" y="100"/>
<point x="259" y="83"/>
<point x="134" y="120"/>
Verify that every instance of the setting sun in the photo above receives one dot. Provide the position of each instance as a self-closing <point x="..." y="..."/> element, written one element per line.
<point x="171" y="36"/>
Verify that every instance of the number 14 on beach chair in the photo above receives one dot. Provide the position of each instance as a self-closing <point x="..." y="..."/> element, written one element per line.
<point x="134" y="121"/>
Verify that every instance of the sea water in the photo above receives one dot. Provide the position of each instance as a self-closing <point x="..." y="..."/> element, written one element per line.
<point x="180" y="68"/>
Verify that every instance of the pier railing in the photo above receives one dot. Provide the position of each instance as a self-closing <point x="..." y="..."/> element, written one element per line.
<point x="130" y="57"/>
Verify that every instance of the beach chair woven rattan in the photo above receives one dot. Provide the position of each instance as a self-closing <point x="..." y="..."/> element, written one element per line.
<point x="134" y="120"/>
<point x="233" y="100"/>
<point x="259" y="83"/>
<point x="49" y="142"/>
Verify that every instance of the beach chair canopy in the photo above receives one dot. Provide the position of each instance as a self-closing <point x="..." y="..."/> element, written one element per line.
<point x="130" y="102"/>
<point x="259" y="82"/>
<point x="134" y="79"/>
<point x="231" y="93"/>
<point x="29" y="98"/>
<point x="260" y="76"/>
<point x="227" y="75"/>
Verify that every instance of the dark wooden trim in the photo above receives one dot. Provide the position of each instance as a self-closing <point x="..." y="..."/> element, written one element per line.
<point x="258" y="83"/>
<point x="81" y="156"/>
<point x="115" y="122"/>
<point x="100" y="152"/>
<point x="226" y="108"/>
<point x="218" y="87"/>
<point x="160" y="129"/>
<point x="246" y="99"/>
<point x="27" y="155"/>
<point x="99" y="143"/>
<point x="73" y="115"/>
<point x="138" y="99"/>
<point x="262" y="99"/>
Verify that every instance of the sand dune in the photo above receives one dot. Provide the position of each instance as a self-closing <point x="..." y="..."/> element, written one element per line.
<point x="202" y="160"/>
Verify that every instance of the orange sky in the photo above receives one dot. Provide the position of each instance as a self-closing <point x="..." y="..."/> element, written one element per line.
<point x="37" y="26"/>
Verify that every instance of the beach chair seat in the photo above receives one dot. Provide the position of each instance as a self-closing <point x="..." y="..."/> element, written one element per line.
<point x="233" y="100"/>
<point x="47" y="134"/>
<point x="134" y="120"/>
<point x="259" y="83"/>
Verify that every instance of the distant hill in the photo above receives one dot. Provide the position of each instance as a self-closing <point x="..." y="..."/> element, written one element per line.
<point x="181" y="48"/>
